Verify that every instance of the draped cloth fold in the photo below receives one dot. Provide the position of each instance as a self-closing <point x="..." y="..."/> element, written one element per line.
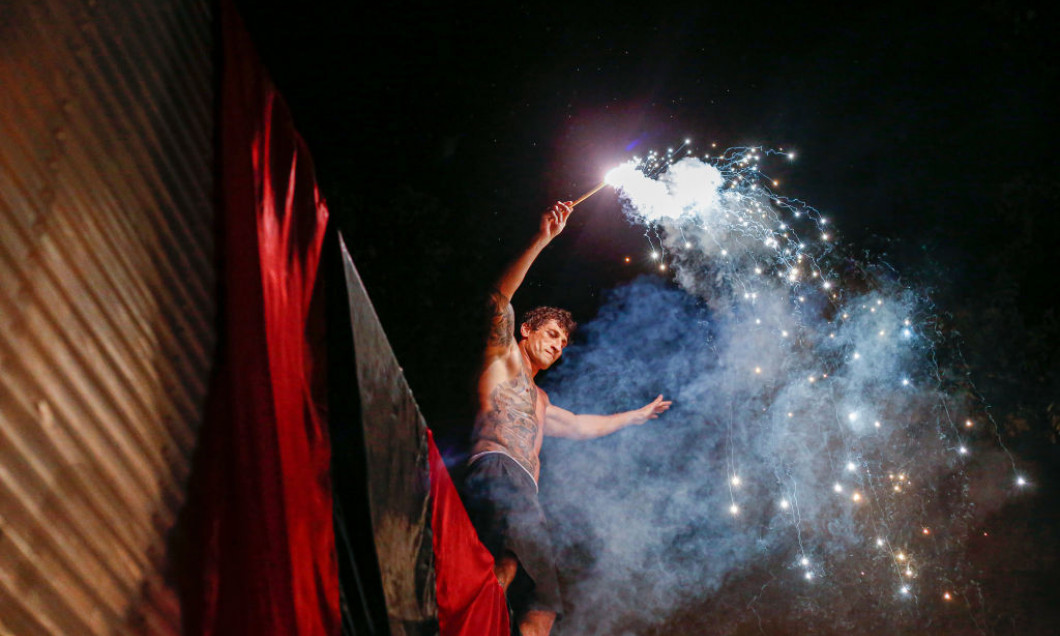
<point x="258" y="519"/>
<point x="470" y="599"/>
<point x="259" y="554"/>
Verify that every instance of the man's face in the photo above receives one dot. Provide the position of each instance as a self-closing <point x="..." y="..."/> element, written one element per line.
<point x="545" y="344"/>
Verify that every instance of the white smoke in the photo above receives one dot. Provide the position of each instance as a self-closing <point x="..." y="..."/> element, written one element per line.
<point x="809" y="422"/>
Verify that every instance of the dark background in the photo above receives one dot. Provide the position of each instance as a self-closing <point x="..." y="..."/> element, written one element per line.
<point x="925" y="131"/>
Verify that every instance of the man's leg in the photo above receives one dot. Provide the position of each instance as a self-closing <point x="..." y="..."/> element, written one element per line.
<point x="503" y="507"/>
<point x="537" y="623"/>
<point x="486" y="491"/>
<point x="505" y="569"/>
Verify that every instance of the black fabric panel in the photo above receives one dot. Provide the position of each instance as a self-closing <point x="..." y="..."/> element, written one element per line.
<point x="362" y="600"/>
<point x="388" y="454"/>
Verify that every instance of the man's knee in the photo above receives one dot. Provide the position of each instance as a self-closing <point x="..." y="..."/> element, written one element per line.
<point x="537" y="623"/>
<point x="505" y="569"/>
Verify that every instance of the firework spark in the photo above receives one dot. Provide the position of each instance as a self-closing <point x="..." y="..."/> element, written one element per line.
<point x="813" y="351"/>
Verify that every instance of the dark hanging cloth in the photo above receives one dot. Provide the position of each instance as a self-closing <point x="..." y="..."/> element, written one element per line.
<point x="440" y="569"/>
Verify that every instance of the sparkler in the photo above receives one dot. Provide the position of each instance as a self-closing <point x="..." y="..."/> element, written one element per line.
<point x="589" y="193"/>
<point x="656" y="166"/>
<point x="844" y="356"/>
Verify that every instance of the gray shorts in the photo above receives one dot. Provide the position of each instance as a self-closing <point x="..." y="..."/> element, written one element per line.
<point x="501" y="500"/>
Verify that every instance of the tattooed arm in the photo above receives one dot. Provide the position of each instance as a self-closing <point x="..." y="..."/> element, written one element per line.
<point x="502" y="325"/>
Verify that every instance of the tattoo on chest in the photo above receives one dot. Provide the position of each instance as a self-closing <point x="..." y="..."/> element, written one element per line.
<point x="502" y="321"/>
<point x="512" y="419"/>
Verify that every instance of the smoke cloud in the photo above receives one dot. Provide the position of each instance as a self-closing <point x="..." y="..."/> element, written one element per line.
<point x="814" y="448"/>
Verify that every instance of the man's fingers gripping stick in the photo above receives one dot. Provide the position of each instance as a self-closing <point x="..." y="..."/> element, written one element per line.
<point x="555" y="218"/>
<point x="564" y="210"/>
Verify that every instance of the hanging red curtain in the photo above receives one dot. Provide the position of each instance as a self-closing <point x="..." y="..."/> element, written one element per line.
<point x="259" y="548"/>
<point x="259" y="516"/>
<point x="470" y="599"/>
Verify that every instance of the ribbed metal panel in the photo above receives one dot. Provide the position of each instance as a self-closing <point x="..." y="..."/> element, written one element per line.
<point x="106" y="304"/>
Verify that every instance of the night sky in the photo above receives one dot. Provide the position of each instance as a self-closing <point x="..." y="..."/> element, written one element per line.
<point x="925" y="131"/>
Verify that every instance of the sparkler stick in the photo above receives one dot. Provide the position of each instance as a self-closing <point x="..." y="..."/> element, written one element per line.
<point x="589" y="193"/>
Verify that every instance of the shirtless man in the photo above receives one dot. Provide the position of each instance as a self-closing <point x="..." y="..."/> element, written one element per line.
<point x="513" y="417"/>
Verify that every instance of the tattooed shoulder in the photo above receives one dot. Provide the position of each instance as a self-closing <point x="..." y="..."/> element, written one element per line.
<point x="502" y="321"/>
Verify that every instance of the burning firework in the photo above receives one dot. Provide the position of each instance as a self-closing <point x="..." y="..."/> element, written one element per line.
<point x="807" y="378"/>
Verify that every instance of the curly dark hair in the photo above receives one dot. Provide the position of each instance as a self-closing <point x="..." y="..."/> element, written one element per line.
<point x="536" y="318"/>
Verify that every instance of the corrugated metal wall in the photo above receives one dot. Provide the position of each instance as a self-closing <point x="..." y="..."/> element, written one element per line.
<point x="106" y="304"/>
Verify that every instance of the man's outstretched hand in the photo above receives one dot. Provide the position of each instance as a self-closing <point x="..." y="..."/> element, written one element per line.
<point x="651" y="410"/>
<point x="555" y="219"/>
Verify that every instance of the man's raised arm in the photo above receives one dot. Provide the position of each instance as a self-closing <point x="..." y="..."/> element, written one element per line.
<point x="502" y="318"/>
<point x="552" y="223"/>
<point x="562" y="423"/>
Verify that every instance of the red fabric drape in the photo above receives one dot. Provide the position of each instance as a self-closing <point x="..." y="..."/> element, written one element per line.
<point x="470" y="600"/>
<point x="260" y="510"/>
<point x="259" y="544"/>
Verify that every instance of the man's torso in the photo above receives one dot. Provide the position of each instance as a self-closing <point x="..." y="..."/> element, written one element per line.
<point x="511" y="410"/>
